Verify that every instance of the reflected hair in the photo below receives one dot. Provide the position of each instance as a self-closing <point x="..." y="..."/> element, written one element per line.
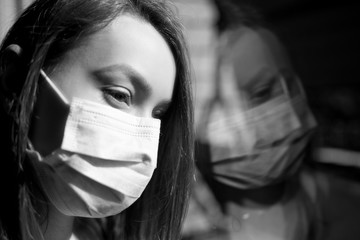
<point x="234" y="14"/>
<point x="46" y="31"/>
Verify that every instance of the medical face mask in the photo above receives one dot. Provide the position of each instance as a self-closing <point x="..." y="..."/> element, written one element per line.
<point x="262" y="145"/>
<point x="105" y="160"/>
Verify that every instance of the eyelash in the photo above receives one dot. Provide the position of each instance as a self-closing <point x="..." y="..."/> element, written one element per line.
<point x="122" y="98"/>
<point x="117" y="98"/>
<point x="266" y="92"/>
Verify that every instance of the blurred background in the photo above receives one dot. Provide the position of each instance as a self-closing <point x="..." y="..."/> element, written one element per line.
<point x="322" y="39"/>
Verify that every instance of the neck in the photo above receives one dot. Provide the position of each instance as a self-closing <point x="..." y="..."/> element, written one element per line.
<point x="58" y="226"/>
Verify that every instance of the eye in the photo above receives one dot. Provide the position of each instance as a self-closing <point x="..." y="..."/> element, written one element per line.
<point x="117" y="97"/>
<point x="268" y="89"/>
<point x="260" y="95"/>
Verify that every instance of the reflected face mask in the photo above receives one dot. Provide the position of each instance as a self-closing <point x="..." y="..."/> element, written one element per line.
<point x="104" y="162"/>
<point x="262" y="145"/>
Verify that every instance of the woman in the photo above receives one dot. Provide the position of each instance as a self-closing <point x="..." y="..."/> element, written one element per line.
<point x="255" y="139"/>
<point x="84" y="86"/>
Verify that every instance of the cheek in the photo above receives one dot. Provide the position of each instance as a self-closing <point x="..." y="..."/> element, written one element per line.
<point x="74" y="82"/>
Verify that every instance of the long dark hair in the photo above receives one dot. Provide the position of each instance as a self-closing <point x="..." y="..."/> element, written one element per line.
<point x="45" y="32"/>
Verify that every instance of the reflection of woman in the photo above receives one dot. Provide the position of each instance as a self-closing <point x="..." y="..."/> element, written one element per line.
<point x="257" y="135"/>
<point x="82" y="100"/>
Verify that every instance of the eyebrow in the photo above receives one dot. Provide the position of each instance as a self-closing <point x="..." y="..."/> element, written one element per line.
<point x="129" y="72"/>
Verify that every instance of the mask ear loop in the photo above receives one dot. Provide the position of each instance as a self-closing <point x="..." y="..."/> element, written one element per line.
<point x="302" y="91"/>
<point x="53" y="86"/>
<point x="290" y="99"/>
<point x="299" y="87"/>
<point x="57" y="91"/>
<point x="285" y="87"/>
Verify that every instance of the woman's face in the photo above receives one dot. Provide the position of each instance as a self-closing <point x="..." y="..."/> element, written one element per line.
<point x="259" y="63"/>
<point x="127" y="65"/>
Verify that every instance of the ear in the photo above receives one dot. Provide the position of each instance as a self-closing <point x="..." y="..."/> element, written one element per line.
<point x="13" y="70"/>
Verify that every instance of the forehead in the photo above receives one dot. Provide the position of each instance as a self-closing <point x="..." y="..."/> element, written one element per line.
<point x="257" y="54"/>
<point x="131" y="41"/>
<point x="130" y="36"/>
